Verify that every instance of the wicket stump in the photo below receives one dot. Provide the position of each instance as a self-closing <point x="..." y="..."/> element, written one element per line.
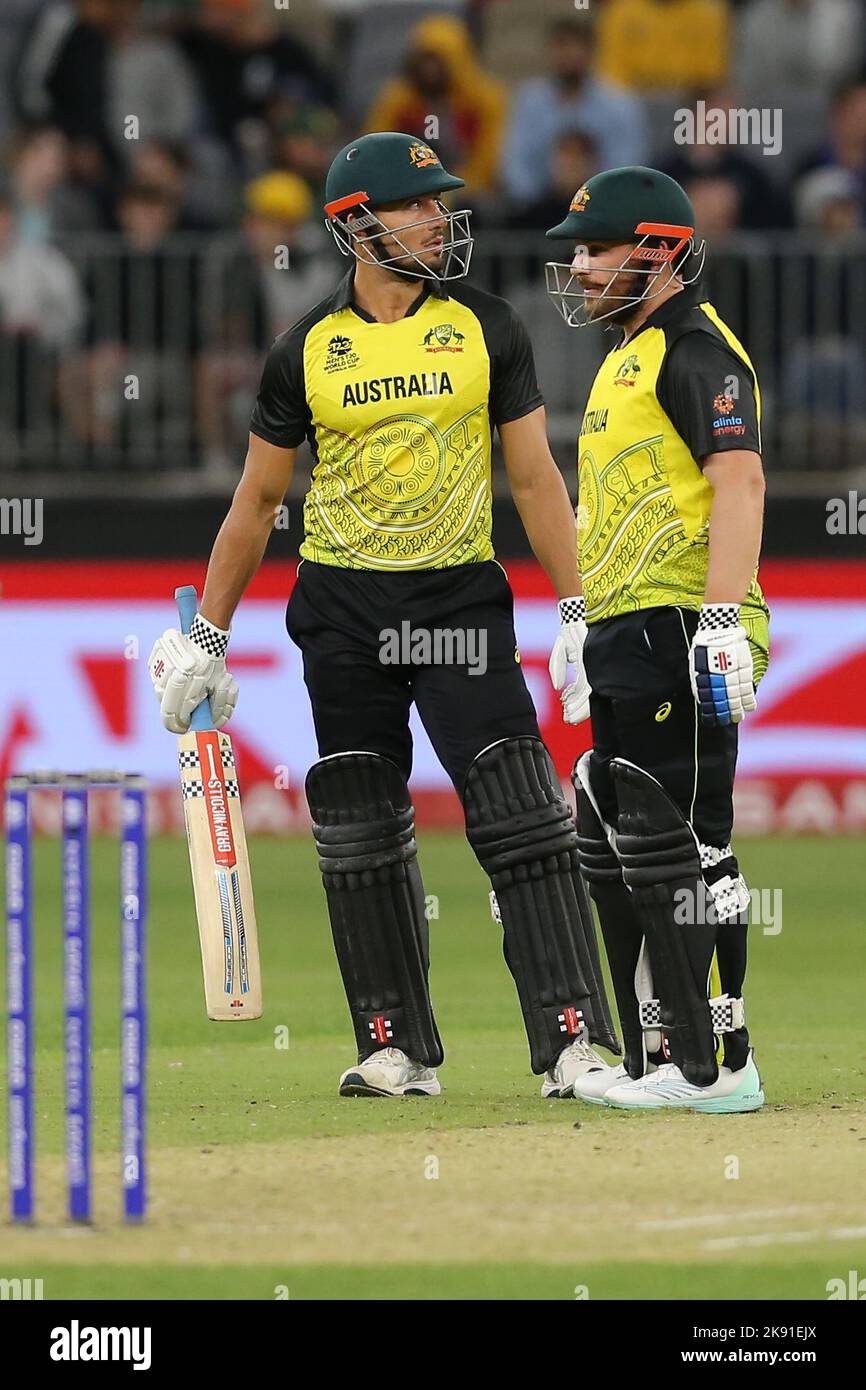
<point x="75" y="788"/>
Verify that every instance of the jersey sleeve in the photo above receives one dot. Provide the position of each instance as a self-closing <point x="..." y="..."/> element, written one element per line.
<point x="281" y="414"/>
<point x="708" y="393"/>
<point x="514" y="390"/>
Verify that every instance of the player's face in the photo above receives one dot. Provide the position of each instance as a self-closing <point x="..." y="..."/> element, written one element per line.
<point x="420" y="223"/>
<point x="601" y="268"/>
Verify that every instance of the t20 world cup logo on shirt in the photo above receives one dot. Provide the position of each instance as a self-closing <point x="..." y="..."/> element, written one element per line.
<point x="341" y="356"/>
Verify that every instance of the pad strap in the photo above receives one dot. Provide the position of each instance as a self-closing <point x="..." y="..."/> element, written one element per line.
<point x="726" y="1014"/>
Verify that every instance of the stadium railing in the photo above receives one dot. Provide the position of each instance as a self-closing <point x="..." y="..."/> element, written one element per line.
<point x="137" y="370"/>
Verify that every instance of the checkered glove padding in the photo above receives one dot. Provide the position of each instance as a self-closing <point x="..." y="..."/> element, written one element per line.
<point x="720" y="666"/>
<point x="188" y="669"/>
<point x="568" y="651"/>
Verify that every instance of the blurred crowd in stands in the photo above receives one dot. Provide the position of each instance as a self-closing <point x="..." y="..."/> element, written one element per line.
<point x="156" y="152"/>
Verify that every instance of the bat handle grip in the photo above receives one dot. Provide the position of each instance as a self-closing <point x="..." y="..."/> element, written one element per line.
<point x="187" y="607"/>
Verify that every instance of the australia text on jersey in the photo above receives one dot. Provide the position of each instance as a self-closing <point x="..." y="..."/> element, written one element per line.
<point x="397" y="388"/>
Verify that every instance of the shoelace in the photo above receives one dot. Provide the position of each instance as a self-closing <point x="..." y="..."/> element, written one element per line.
<point x="388" y="1054"/>
<point x="666" y="1070"/>
<point x="583" y="1050"/>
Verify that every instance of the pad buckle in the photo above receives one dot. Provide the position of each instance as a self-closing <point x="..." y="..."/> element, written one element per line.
<point x="649" y="1013"/>
<point x="727" y="1014"/>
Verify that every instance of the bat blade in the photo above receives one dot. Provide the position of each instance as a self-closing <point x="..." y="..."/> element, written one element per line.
<point x="221" y="876"/>
<point x="219" y="859"/>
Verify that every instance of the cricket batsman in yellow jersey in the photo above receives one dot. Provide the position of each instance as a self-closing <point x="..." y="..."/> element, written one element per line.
<point x="397" y="380"/>
<point x="668" y="638"/>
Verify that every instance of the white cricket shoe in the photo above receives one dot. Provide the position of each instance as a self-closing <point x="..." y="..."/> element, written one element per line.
<point x="576" y="1060"/>
<point x="389" y="1072"/>
<point x="667" y="1089"/>
<point x="595" y="1085"/>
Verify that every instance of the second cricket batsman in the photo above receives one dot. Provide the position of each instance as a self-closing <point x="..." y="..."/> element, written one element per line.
<point x="668" y="638"/>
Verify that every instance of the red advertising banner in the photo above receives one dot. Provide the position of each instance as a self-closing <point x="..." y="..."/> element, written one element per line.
<point x="75" y="692"/>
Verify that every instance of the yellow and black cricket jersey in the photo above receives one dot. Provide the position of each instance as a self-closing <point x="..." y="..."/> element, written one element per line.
<point x="399" y="417"/>
<point x="681" y="388"/>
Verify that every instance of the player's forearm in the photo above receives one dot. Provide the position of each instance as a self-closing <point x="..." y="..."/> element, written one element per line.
<point x="736" y="523"/>
<point x="236" y="555"/>
<point x="548" y="520"/>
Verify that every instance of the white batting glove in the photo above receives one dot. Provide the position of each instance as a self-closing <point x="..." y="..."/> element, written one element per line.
<point x="568" y="651"/>
<point x="186" y="669"/>
<point x="720" y="666"/>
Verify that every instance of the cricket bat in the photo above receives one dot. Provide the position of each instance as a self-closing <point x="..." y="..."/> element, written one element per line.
<point x="218" y="858"/>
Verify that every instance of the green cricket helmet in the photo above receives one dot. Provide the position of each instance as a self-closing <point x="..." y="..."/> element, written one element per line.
<point x="640" y="207"/>
<point x="387" y="167"/>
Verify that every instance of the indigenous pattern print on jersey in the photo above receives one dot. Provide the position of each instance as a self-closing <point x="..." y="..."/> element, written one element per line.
<point x="399" y="417"/>
<point x="681" y="388"/>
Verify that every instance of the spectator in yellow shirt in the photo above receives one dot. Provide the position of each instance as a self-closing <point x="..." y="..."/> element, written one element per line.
<point x="443" y="79"/>
<point x="660" y="44"/>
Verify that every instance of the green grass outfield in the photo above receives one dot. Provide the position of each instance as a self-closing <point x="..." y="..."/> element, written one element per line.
<point x="265" y="1184"/>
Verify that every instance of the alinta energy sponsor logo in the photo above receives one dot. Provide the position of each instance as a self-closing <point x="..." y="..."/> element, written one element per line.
<point x="726" y="422"/>
<point x="733" y="426"/>
<point x="77" y="1343"/>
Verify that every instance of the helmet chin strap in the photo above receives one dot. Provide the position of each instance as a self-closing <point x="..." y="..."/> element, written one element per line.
<point x="375" y="245"/>
<point x="633" y="303"/>
<point x="414" y="271"/>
